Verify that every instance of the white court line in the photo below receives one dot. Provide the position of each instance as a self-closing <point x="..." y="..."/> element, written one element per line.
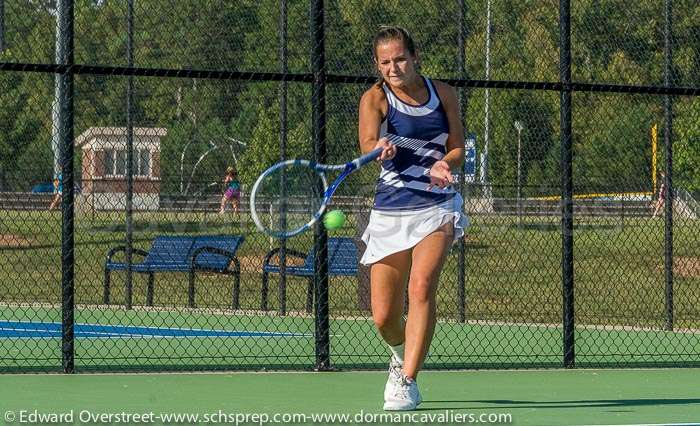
<point x="116" y="334"/>
<point x="125" y="326"/>
<point x="650" y="424"/>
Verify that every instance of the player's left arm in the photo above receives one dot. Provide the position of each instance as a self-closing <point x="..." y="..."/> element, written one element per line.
<point x="455" y="141"/>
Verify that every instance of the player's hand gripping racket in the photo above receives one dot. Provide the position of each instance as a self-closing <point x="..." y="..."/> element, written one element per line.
<point x="289" y="197"/>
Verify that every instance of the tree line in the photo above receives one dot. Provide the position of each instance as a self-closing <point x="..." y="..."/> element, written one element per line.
<point x="612" y="42"/>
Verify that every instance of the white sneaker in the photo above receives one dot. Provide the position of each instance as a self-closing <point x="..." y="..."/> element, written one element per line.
<point x="395" y="375"/>
<point x="405" y="396"/>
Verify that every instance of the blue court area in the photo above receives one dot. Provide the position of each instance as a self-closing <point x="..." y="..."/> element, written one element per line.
<point x="29" y="329"/>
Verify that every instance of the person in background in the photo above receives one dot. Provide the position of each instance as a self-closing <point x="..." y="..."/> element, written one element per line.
<point x="232" y="193"/>
<point x="57" y="190"/>
<point x="659" y="203"/>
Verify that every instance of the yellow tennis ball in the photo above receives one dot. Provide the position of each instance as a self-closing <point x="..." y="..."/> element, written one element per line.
<point x="334" y="219"/>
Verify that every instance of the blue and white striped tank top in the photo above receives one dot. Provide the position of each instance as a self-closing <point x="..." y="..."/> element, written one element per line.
<point x="420" y="135"/>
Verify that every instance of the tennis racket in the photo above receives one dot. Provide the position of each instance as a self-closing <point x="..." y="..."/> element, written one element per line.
<point x="289" y="197"/>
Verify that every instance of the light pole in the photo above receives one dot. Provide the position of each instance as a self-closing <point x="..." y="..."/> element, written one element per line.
<point x="519" y="127"/>
<point x="59" y="89"/>
<point x="487" y="125"/>
<point x="2" y="26"/>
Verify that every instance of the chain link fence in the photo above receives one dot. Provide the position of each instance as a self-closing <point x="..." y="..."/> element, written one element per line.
<point x="125" y="245"/>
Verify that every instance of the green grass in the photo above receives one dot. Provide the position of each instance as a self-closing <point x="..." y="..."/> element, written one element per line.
<point x="513" y="276"/>
<point x="512" y="273"/>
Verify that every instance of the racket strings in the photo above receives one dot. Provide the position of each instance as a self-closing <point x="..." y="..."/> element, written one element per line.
<point x="288" y="198"/>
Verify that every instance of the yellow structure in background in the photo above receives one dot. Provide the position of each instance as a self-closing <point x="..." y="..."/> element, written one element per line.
<point x="654" y="143"/>
<point x="595" y="195"/>
<point x="653" y="158"/>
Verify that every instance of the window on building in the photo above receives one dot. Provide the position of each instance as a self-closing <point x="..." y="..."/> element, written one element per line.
<point x="144" y="168"/>
<point x="109" y="162"/>
<point x="115" y="162"/>
<point x="120" y="169"/>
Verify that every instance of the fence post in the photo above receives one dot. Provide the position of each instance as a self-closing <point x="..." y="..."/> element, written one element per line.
<point x="567" y="207"/>
<point x="462" y="273"/>
<point x="129" y="154"/>
<point x="283" y="148"/>
<point x="668" y="142"/>
<point x="318" y="104"/>
<point x="65" y="131"/>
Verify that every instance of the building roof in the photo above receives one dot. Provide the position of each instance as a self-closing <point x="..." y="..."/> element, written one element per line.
<point x="139" y="132"/>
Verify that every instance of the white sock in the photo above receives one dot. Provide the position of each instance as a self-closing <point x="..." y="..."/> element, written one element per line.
<point x="398" y="352"/>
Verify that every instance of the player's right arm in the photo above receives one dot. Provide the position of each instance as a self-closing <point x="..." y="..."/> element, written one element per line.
<point x="373" y="108"/>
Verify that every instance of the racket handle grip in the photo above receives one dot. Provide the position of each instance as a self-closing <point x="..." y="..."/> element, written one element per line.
<point x="368" y="158"/>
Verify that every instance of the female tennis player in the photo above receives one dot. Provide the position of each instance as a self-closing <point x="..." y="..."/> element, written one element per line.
<point x="417" y="215"/>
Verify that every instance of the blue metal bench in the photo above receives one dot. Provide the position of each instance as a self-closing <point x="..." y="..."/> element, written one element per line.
<point x="342" y="261"/>
<point x="189" y="254"/>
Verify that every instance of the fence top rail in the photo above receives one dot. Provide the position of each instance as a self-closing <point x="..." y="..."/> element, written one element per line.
<point x="342" y="79"/>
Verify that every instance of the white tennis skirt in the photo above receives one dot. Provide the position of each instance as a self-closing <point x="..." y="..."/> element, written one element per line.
<point x="390" y="232"/>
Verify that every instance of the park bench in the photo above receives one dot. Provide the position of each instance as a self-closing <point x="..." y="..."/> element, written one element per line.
<point x="190" y="254"/>
<point x="342" y="261"/>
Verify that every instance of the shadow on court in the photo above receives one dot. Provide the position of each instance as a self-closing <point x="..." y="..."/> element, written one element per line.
<point x="515" y="404"/>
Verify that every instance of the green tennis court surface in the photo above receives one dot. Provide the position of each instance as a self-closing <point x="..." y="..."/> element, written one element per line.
<point x="113" y="339"/>
<point x="537" y="397"/>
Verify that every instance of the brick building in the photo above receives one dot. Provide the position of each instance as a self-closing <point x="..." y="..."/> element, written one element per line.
<point x="104" y="168"/>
